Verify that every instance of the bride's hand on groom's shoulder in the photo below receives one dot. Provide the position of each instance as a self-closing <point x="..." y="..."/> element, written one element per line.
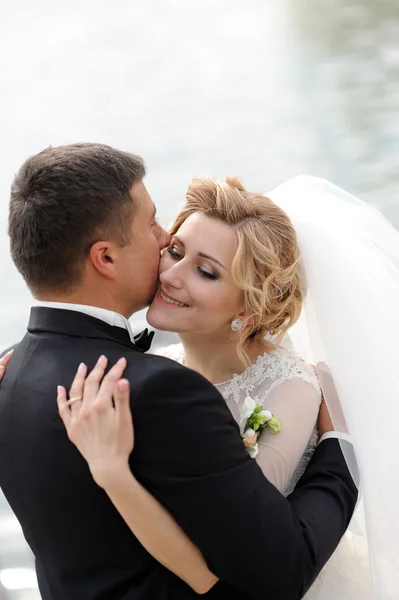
<point x="4" y="362"/>
<point x="98" y="419"/>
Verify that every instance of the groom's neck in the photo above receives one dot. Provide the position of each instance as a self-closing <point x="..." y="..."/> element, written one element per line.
<point x="88" y="299"/>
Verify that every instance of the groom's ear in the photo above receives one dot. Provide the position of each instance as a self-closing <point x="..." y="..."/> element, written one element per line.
<point x="102" y="256"/>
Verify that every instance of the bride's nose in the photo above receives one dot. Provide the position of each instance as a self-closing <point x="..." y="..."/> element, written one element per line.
<point x="173" y="276"/>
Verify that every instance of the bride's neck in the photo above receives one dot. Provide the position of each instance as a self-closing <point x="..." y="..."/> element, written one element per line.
<point x="216" y="357"/>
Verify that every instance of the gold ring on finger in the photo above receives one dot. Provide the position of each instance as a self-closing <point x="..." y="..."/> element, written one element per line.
<point x="73" y="400"/>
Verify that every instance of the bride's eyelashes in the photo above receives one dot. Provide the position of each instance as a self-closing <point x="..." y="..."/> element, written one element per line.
<point x="173" y="252"/>
<point x="207" y="274"/>
<point x="203" y="272"/>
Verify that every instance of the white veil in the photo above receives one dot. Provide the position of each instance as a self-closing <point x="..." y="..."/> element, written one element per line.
<point x="350" y="322"/>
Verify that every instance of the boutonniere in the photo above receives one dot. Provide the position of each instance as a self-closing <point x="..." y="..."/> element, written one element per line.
<point x="253" y="421"/>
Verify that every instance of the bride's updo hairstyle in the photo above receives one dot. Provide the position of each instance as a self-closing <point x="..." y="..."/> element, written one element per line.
<point x="266" y="264"/>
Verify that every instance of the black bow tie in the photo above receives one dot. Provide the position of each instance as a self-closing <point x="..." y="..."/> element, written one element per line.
<point x="143" y="340"/>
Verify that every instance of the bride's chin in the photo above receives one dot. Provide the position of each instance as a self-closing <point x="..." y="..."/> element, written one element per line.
<point x="159" y="322"/>
<point x="150" y="320"/>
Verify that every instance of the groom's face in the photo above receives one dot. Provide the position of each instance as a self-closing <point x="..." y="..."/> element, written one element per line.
<point x="139" y="261"/>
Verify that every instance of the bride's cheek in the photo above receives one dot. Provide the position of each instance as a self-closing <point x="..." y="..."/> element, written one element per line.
<point x="164" y="263"/>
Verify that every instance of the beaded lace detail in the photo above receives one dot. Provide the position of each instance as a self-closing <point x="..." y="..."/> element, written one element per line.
<point x="275" y="367"/>
<point x="259" y="380"/>
<point x="303" y="463"/>
<point x="262" y="377"/>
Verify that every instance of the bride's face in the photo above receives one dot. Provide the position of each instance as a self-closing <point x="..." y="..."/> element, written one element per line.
<point x="196" y="292"/>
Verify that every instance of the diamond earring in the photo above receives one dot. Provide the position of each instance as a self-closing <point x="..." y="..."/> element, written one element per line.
<point x="236" y="324"/>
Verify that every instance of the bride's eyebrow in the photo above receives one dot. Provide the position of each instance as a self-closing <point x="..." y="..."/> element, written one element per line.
<point x="202" y="254"/>
<point x="211" y="258"/>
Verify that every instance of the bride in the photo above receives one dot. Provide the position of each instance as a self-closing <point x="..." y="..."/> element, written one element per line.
<point x="237" y="275"/>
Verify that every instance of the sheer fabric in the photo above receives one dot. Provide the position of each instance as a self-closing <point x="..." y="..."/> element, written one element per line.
<point x="350" y="329"/>
<point x="287" y="386"/>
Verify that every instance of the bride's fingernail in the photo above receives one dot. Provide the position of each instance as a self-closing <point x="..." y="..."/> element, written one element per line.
<point x="81" y="368"/>
<point x="123" y="359"/>
<point x="123" y="385"/>
<point x="59" y="389"/>
<point x="102" y="361"/>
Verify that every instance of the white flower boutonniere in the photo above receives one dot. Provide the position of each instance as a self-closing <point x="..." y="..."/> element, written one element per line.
<point x="253" y="421"/>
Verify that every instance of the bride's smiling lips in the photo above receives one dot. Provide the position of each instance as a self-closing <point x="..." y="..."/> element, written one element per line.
<point x="169" y="301"/>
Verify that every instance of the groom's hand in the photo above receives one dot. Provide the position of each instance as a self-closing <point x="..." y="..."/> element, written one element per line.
<point x="325" y="423"/>
<point x="327" y="383"/>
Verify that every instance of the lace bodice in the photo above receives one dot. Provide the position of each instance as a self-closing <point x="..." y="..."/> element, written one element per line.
<point x="287" y="386"/>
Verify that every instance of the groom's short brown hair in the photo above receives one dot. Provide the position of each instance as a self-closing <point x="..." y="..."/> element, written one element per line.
<point x="63" y="200"/>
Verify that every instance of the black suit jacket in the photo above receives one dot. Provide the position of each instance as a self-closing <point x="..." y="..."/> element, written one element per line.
<point x="188" y="453"/>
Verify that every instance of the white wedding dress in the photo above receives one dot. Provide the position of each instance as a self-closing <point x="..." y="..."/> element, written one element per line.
<point x="289" y="388"/>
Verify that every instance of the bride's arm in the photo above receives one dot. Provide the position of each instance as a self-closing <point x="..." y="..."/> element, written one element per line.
<point x="296" y="403"/>
<point x="157" y="531"/>
<point x="104" y="435"/>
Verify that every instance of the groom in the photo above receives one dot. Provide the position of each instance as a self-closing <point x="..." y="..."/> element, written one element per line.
<point x="84" y="237"/>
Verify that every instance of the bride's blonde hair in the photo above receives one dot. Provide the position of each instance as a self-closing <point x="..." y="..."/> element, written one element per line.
<point x="266" y="265"/>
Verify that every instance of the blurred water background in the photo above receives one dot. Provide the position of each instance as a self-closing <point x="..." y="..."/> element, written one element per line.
<point x="263" y="89"/>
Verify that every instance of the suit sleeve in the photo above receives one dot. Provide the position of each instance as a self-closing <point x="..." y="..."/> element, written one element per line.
<point x="189" y="454"/>
<point x="328" y="491"/>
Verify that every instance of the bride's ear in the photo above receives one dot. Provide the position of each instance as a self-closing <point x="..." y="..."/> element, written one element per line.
<point x="245" y="317"/>
<point x="243" y="314"/>
<point x="102" y="256"/>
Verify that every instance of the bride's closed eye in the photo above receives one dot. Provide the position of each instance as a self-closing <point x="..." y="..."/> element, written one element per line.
<point x="202" y="272"/>
<point x="173" y="252"/>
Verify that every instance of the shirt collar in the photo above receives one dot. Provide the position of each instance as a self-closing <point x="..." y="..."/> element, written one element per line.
<point x="108" y="316"/>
